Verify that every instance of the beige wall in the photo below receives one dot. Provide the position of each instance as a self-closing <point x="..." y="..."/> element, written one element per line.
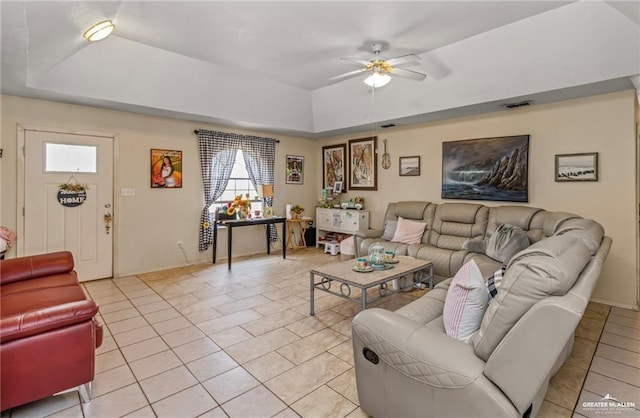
<point x="149" y="224"/>
<point x="603" y="124"/>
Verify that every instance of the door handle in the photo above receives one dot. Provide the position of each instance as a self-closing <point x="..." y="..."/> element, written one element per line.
<point x="107" y="221"/>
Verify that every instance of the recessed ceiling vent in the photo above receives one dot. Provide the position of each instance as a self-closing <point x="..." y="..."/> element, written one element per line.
<point x="516" y="105"/>
<point x="388" y="125"/>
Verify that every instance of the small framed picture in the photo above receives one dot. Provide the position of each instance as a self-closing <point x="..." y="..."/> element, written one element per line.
<point x="410" y="166"/>
<point x="337" y="187"/>
<point x="577" y="167"/>
<point x="166" y="169"/>
<point x="295" y="169"/>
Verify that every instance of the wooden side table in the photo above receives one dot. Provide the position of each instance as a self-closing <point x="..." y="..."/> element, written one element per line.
<point x="300" y="225"/>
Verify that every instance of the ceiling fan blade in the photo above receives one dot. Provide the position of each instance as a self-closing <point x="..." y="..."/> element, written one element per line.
<point x="357" y="61"/>
<point x="404" y="59"/>
<point x="347" y="75"/>
<point x="413" y="75"/>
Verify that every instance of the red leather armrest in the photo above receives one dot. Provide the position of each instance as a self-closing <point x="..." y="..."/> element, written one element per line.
<point x="25" y="268"/>
<point x="42" y="320"/>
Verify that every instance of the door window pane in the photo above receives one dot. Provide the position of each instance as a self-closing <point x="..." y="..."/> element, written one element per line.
<point x="70" y="158"/>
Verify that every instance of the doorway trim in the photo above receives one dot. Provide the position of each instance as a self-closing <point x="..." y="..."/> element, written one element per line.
<point x="20" y="181"/>
<point x="637" y="107"/>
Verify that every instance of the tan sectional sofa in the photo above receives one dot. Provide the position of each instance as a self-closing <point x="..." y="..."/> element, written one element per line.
<point x="407" y="365"/>
<point x="450" y="225"/>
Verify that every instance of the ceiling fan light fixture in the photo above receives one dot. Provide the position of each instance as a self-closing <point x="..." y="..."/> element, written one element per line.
<point x="99" y="31"/>
<point x="377" y="79"/>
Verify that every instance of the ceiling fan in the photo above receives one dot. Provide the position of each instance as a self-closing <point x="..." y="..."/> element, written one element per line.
<point x="380" y="69"/>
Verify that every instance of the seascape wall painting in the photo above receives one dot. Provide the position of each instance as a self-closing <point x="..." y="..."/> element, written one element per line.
<point x="577" y="167"/>
<point x="486" y="169"/>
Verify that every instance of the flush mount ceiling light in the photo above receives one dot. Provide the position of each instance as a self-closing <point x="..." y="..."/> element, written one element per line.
<point x="99" y="31"/>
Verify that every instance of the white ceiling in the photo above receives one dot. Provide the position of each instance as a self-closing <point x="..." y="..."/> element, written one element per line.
<point x="265" y="64"/>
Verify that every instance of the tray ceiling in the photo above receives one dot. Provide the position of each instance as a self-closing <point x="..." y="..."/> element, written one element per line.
<point x="265" y="65"/>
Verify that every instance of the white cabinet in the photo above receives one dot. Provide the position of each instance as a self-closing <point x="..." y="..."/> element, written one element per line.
<point x="335" y="224"/>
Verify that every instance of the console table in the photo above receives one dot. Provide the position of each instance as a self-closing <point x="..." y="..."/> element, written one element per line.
<point x="230" y="224"/>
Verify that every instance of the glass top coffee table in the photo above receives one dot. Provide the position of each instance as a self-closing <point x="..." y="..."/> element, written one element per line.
<point x="347" y="279"/>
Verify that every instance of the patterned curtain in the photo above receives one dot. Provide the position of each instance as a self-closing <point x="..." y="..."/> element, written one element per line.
<point x="260" y="158"/>
<point x="217" y="156"/>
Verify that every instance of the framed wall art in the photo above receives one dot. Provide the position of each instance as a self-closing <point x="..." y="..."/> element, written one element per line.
<point x="333" y="164"/>
<point x="410" y="166"/>
<point x="295" y="169"/>
<point x="363" y="163"/>
<point x="486" y="169"/>
<point x="577" y="167"/>
<point x="166" y="169"/>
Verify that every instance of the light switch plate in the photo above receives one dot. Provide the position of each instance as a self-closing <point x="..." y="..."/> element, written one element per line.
<point x="127" y="192"/>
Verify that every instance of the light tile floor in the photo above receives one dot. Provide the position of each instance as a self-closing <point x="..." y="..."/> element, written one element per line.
<point x="203" y="341"/>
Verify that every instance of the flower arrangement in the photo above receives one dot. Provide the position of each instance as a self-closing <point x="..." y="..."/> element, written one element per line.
<point x="239" y="205"/>
<point x="73" y="187"/>
<point x="7" y="238"/>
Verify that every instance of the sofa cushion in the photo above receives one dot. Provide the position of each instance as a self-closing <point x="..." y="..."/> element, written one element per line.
<point x="505" y="242"/>
<point x="547" y="268"/>
<point x="456" y="223"/>
<point x="445" y="262"/>
<point x="520" y="216"/>
<point x="389" y="229"/>
<point x="465" y="303"/>
<point x="409" y="232"/>
<point x="429" y="307"/>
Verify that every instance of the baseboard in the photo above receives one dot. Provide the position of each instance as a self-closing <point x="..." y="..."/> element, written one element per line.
<point x="616" y="304"/>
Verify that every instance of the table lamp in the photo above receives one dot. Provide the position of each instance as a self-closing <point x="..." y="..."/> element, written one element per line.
<point x="266" y="191"/>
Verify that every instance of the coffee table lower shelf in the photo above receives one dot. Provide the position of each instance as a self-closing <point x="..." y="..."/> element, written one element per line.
<point x="343" y="274"/>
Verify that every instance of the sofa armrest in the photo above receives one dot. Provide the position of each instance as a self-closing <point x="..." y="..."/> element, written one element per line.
<point x="358" y="236"/>
<point x="539" y="337"/>
<point x="420" y="352"/>
<point x="35" y="322"/>
<point x="31" y="267"/>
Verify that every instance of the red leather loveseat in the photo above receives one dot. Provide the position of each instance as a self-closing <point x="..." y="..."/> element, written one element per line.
<point x="48" y="333"/>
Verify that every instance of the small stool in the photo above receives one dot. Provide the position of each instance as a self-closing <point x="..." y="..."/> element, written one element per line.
<point x="332" y="247"/>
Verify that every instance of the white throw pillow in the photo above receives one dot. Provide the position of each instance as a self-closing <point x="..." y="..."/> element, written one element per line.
<point x="409" y="232"/>
<point x="465" y="303"/>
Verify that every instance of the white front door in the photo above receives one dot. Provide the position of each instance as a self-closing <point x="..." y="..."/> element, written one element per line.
<point x="50" y="222"/>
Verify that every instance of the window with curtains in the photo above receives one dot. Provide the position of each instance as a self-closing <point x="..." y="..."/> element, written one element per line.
<point x="218" y="158"/>
<point x="239" y="184"/>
